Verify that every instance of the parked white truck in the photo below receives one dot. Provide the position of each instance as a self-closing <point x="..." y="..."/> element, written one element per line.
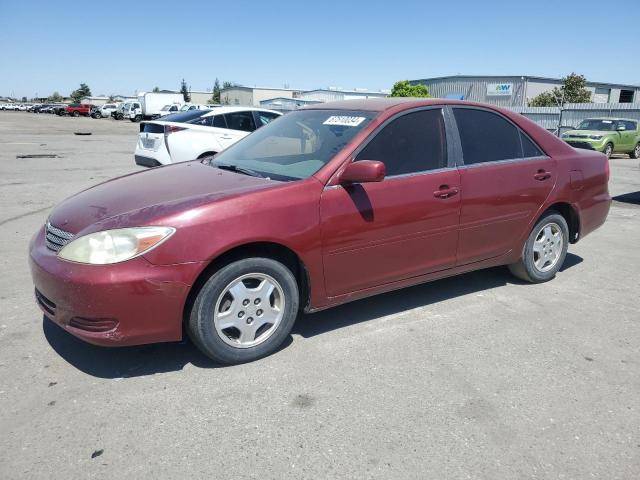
<point x="150" y="104"/>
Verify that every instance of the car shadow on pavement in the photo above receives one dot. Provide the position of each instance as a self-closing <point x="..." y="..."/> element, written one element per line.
<point x="409" y="298"/>
<point x="126" y="362"/>
<point x="631" y="197"/>
<point x="122" y="362"/>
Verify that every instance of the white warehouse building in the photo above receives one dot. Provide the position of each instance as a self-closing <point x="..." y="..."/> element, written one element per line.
<point x="332" y="95"/>
<point x="517" y="91"/>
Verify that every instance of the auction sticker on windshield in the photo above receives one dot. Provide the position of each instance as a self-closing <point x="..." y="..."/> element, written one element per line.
<point x="344" y="120"/>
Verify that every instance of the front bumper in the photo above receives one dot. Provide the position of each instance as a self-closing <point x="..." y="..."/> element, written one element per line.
<point x="588" y="144"/>
<point x="129" y="303"/>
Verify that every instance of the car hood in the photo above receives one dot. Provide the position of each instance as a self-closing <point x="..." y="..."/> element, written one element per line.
<point x="588" y="132"/>
<point x="147" y="197"/>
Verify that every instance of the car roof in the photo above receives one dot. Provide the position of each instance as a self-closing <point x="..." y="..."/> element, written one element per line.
<point x="218" y="110"/>
<point x="387" y="103"/>
<point x="615" y="119"/>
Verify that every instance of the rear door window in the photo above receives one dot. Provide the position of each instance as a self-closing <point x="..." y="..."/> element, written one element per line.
<point x="240" y="121"/>
<point x="486" y="136"/>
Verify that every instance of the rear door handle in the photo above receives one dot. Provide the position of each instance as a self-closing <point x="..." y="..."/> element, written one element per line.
<point x="542" y="175"/>
<point x="445" y="191"/>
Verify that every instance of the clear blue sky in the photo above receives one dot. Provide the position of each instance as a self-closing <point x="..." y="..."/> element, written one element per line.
<point x="119" y="47"/>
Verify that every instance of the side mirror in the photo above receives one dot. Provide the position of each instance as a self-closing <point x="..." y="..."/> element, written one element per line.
<point x="363" y="171"/>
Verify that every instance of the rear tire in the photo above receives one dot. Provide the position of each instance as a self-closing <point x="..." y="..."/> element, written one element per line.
<point x="635" y="153"/>
<point x="244" y="311"/>
<point x="544" y="251"/>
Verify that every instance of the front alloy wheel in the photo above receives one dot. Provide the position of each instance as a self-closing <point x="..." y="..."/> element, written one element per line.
<point x="249" y="310"/>
<point x="608" y="150"/>
<point x="244" y="311"/>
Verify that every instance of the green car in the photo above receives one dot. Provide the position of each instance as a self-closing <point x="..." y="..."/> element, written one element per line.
<point x="606" y="135"/>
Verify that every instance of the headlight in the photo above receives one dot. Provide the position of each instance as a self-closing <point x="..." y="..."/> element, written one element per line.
<point x="595" y="137"/>
<point x="113" y="246"/>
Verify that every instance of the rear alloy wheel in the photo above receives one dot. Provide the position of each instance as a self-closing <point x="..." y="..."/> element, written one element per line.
<point x="76" y="114"/>
<point x="544" y="251"/>
<point x="608" y="150"/>
<point x="636" y="151"/>
<point x="244" y="311"/>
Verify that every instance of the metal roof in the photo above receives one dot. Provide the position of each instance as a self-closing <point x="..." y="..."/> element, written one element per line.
<point x="523" y="77"/>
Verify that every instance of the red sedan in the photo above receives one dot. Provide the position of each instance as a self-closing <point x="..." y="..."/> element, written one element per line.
<point x="320" y="207"/>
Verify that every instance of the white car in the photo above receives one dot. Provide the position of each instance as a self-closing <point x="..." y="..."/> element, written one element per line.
<point x="195" y="106"/>
<point x="104" y="111"/>
<point x="169" y="109"/>
<point x="196" y="133"/>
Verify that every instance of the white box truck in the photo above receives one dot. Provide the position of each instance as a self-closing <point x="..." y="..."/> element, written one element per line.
<point x="151" y="104"/>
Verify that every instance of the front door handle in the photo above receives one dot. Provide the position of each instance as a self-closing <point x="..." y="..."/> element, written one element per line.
<point x="542" y="175"/>
<point x="445" y="191"/>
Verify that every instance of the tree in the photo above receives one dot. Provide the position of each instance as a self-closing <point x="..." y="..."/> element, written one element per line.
<point x="229" y="85"/>
<point x="55" y="97"/>
<point x="403" y="88"/>
<point x="156" y="89"/>
<point x="572" y="90"/>
<point x="80" y="93"/>
<point x="184" y="90"/>
<point x="215" y="98"/>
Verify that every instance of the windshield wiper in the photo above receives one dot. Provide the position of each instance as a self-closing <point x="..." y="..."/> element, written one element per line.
<point x="237" y="169"/>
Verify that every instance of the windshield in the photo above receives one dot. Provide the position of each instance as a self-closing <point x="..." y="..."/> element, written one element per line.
<point x="597" y="125"/>
<point x="166" y="108"/>
<point x="296" y="145"/>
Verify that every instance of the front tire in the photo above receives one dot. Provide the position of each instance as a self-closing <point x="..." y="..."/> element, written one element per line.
<point x="635" y="153"/>
<point x="608" y="149"/>
<point x="544" y="251"/>
<point x="244" y="311"/>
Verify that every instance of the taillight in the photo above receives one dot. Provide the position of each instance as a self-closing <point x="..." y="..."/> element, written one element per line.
<point x="168" y="130"/>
